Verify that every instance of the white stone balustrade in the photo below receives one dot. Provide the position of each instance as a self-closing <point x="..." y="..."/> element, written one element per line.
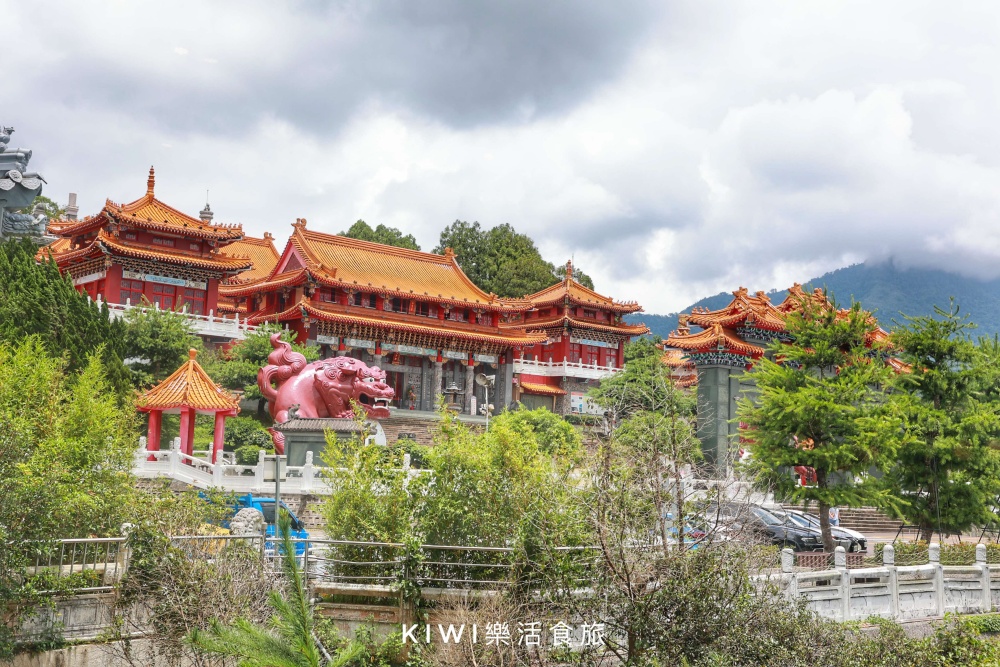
<point x="890" y="591"/>
<point x="574" y="369"/>
<point x="203" y="325"/>
<point x="201" y="473"/>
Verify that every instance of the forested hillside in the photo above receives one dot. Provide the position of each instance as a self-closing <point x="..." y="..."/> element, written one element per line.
<point x="883" y="288"/>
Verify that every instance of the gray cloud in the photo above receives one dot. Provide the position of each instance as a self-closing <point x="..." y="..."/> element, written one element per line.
<point x="673" y="149"/>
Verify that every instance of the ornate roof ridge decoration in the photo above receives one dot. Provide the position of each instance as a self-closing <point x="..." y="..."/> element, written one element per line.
<point x="338" y="261"/>
<point x="188" y="387"/>
<point x="562" y="320"/>
<point x="715" y="337"/>
<point x="224" y="263"/>
<point x="570" y="288"/>
<point x="756" y="310"/>
<point x="148" y="212"/>
<point x="305" y="307"/>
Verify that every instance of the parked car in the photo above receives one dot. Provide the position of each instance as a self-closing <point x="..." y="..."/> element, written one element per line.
<point x="851" y="540"/>
<point x="266" y="507"/>
<point x="782" y="532"/>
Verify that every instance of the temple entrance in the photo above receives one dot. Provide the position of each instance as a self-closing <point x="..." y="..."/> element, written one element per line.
<point x="397" y="380"/>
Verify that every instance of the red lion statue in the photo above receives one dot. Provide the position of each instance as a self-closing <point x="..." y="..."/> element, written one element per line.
<point x="324" y="388"/>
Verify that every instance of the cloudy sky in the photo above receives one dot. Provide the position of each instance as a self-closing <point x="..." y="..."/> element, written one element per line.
<point x="674" y="149"/>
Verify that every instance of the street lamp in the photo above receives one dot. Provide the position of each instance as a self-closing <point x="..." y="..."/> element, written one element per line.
<point x="484" y="380"/>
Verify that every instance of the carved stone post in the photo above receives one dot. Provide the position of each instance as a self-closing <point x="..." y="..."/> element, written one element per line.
<point x="436" y="387"/>
<point x="986" y="601"/>
<point x="889" y="562"/>
<point x="470" y="385"/>
<point x="934" y="556"/>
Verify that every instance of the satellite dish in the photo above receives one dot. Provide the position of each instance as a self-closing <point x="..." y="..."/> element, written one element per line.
<point x="484" y="380"/>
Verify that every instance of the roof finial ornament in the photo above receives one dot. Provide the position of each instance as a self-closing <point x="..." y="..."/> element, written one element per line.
<point x="569" y="269"/>
<point x="192" y="353"/>
<point x="150" y="183"/>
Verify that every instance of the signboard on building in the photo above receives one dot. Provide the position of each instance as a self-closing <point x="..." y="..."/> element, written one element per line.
<point x="596" y="343"/>
<point x="164" y="280"/>
<point x="580" y="404"/>
<point x="485" y="358"/>
<point x="89" y="278"/>
<point x="327" y="340"/>
<point x="452" y="354"/>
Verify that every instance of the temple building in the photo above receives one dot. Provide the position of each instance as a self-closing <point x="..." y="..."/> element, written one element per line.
<point x="416" y="315"/>
<point x="729" y="341"/>
<point x="147" y="251"/>
<point x="264" y="258"/>
<point x="584" y="341"/>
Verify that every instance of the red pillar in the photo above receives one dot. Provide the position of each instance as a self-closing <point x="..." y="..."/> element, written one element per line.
<point x="187" y="431"/>
<point x="212" y="297"/>
<point x="621" y="355"/>
<point x="218" y="435"/>
<point x="113" y="284"/>
<point x="153" y="434"/>
<point x="565" y="347"/>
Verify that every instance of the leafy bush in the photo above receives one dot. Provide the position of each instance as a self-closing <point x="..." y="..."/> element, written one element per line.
<point x="246" y="432"/>
<point x="250" y="454"/>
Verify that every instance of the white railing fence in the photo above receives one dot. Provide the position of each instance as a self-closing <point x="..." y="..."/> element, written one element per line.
<point x="200" y="472"/>
<point x="203" y="325"/>
<point x="897" y="592"/>
<point x="564" y="368"/>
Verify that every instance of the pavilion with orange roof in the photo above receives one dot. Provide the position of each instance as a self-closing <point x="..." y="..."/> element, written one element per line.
<point x="189" y="391"/>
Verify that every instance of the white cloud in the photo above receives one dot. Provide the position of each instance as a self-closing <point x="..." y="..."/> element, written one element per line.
<point x="719" y="144"/>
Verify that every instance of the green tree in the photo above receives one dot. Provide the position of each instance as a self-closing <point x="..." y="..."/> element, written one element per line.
<point x="157" y="343"/>
<point x="643" y="385"/>
<point x="947" y="474"/>
<point x="821" y="403"/>
<point x="501" y="260"/>
<point x="51" y="209"/>
<point x="362" y="231"/>
<point x="35" y="299"/>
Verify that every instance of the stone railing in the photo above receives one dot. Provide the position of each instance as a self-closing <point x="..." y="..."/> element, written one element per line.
<point x="890" y="591"/>
<point x="574" y="369"/>
<point x="203" y="325"/>
<point x="201" y="473"/>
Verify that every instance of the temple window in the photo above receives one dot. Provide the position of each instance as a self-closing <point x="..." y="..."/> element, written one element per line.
<point x="574" y="353"/>
<point x="131" y="291"/>
<point x="456" y="315"/>
<point x="423" y="309"/>
<point x="327" y="294"/>
<point x="592" y="314"/>
<point x="129" y="235"/>
<point x="364" y="300"/>
<point x="164" y="296"/>
<point x="167" y="243"/>
<point x="590" y="354"/>
<point x="485" y="319"/>
<point x="400" y="305"/>
<point x="195" y="246"/>
<point x="194" y="301"/>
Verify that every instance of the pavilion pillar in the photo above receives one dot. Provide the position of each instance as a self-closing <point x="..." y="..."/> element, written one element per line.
<point x="470" y="385"/>
<point x="187" y="431"/>
<point x="218" y="435"/>
<point x="153" y="434"/>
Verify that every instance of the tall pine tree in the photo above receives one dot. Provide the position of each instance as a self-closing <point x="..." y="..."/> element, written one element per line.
<point x="820" y="403"/>
<point x="36" y="299"/>
<point x="948" y="473"/>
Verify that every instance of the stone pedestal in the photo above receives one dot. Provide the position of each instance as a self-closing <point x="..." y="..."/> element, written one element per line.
<point x="309" y="435"/>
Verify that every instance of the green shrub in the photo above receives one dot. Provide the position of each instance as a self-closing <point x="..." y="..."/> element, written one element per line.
<point x="246" y="432"/>
<point x="249" y="455"/>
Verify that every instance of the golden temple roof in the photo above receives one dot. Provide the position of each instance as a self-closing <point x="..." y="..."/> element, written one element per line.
<point x="576" y="323"/>
<point x="715" y="337"/>
<point x="150" y="213"/>
<point x="570" y="289"/>
<point x="348" y="263"/>
<point x="401" y="322"/>
<point x="188" y="387"/>
<point x="259" y="251"/>
<point x="745" y="309"/>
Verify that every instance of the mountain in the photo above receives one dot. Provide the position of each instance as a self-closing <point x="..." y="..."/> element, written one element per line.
<point x="882" y="288"/>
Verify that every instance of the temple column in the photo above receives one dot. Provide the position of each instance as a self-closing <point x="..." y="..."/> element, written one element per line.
<point x="436" y="387"/>
<point x="218" y="435"/>
<point x="153" y="433"/>
<point x="503" y="390"/>
<point x="470" y="385"/>
<point x="718" y="389"/>
<point x="187" y="431"/>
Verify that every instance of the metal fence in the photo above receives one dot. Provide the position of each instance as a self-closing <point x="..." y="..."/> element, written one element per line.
<point x="93" y="564"/>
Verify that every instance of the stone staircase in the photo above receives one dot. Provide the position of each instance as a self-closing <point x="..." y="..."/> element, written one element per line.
<point x="862" y="519"/>
<point x="419" y="426"/>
